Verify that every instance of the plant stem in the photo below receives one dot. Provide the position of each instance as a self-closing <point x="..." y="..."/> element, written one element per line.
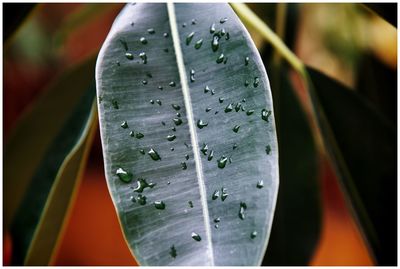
<point x="251" y="19"/>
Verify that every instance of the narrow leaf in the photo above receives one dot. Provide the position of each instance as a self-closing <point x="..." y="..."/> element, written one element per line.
<point x="53" y="161"/>
<point x="188" y="135"/>
<point x="362" y="144"/>
<point x="297" y="222"/>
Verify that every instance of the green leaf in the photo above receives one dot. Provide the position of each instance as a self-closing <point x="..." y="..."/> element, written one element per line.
<point x="44" y="158"/>
<point x="186" y="180"/>
<point x="362" y="145"/>
<point x="297" y="221"/>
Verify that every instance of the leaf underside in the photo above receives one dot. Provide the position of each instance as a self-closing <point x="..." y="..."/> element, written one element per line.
<point x="136" y="95"/>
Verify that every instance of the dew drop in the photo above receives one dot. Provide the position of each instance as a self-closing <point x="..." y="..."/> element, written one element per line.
<point x="246" y="60"/>
<point x="216" y="226"/>
<point x="183" y="165"/>
<point x="212" y="92"/>
<point x="230" y="159"/>
<point x="215" y="195"/>
<point x="141" y="199"/>
<point x="163" y="123"/>
<point x="139" y="135"/>
<point x="186" y="145"/>
<point x="236" y="128"/>
<point x="172" y="149"/>
<point x="212" y="28"/>
<point x="132" y="23"/>
<point x="144" y="82"/>
<point x="222" y="162"/>
<point x="184" y="24"/>
<point x="190" y="204"/>
<point x="265" y="114"/>
<point x="151" y="31"/>
<point x="220" y="58"/>
<point x="187" y="156"/>
<point x="189" y="38"/>
<point x="133" y="199"/>
<point x="158" y="102"/>
<point x="194" y="21"/>
<point x="253" y="235"/>
<point x="204" y="149"/>
<point x="228" y="36"/>
<point x="192" y="72"/>
<point x="118" y="63"/>
<point x="198" y="44"/>
<point x="201" y="124"/>
<point x="249" y="112"/>
<point x="172" y="252"/>
<point x="176" y="107"/>
<point x="142" y="151"/>
<point x="208" y="109"/>
<point x="215" y="43"/>
<point x="124" y="124"/>
<point x="234" y="146"/>
<point x="256" y="82"/>
<point x="159" y="205"/>
<point x="132" y="133"/>
<point x="177" y="121"/>
<point x="210" y="155"/>
<point x="143" y="40"/>
<point x="142" y="184"/>
<point x="172" y="84"/>
<point x="223" y="20"/>
<point x="246" y="83"/>
<point x="237" y="107"/>
<point x="221" y="100"/>
<point x="260" y="184"/>
<point x="143" y="56"/>
<point x="242" y="209"/>
<point x="166" y="50"/>
<point x="228" y="108"/>
<point x="124" y="44"/>
<point x="223" y="32"/>
<point x="129" y="55"/>
<point x="173" y="129"/>
<point x="124" y="175"/>
<point x="206" y="89"/>
<point x="196" y="237"/>
<point x="165" y="35"/>
<point x="178" y="115"/>
<point x="171" y="137"/>
<point x="224" y="194"/>
<point x="216" y="220"/>
<point x="268" y="149"/>
<point x="154" y="155"/>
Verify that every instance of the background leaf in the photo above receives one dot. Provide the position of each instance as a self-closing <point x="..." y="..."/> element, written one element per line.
<point x="13" y="15"/>
<point x="388" y="11"/>
<point x="33" y="164"/>
<point x="362" y="138"/>
<point x="126" y="84"/>
<point x="297" y="221"/>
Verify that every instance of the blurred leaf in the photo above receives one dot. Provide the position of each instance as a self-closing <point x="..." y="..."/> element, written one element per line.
<point x="13" y="15"/>
<point x="46" y="143"/>
<point x="127" y="82"/>
<point x="85" y="14"/>
<point x="297" y="221"/>
<point x="388" y="11"/>
<point x="362" y="145"/>
<point x="378" y="83"/>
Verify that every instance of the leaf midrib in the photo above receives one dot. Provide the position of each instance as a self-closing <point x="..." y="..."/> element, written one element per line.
<point x="191" y="124"/>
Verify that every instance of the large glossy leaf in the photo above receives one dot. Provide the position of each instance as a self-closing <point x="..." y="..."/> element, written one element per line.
<point x="297" y="221"/>
<point x="158" y="95"/>
<point x="362" y="145"/>
<point x="42" y="171"/>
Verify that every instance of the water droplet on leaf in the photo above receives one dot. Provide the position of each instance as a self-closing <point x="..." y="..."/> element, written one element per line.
<point x="210" y="155"/>
<point x="236" y="128"/>
<point x="142" y="184"/>
<point x="173" y="252"/>
<point x="242" y="209"/>
<point x="249" y="112"/>
<point x="268" y="149"/>
<point x="196" y="237"/>
<point x="228" y="108"/>
<point x="159" y="205"/>
<point x="143" y="40"/>
<point x="256" y="82"/>
<point x="215" y="195"/>
<point x="129" y="55"/>
<point x="204" y="149"/>
<point x="124" y="124"/>
<point x="201" y="124"/>
<point x="223" y="20"/>
<point x="198" y="44"/>
<point x="265" y="114"/>
<point x="184" y="166"/>
<point x="189" y="38"/>
<point x="154" y="155"/>
<point x="124" y="175"/>
<point x="260" y="184"/>
<point x="171" y="137"/>
<point x="220" y="58"/>
<point x="222" y="162"/>
<point x="177" y="121"/>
